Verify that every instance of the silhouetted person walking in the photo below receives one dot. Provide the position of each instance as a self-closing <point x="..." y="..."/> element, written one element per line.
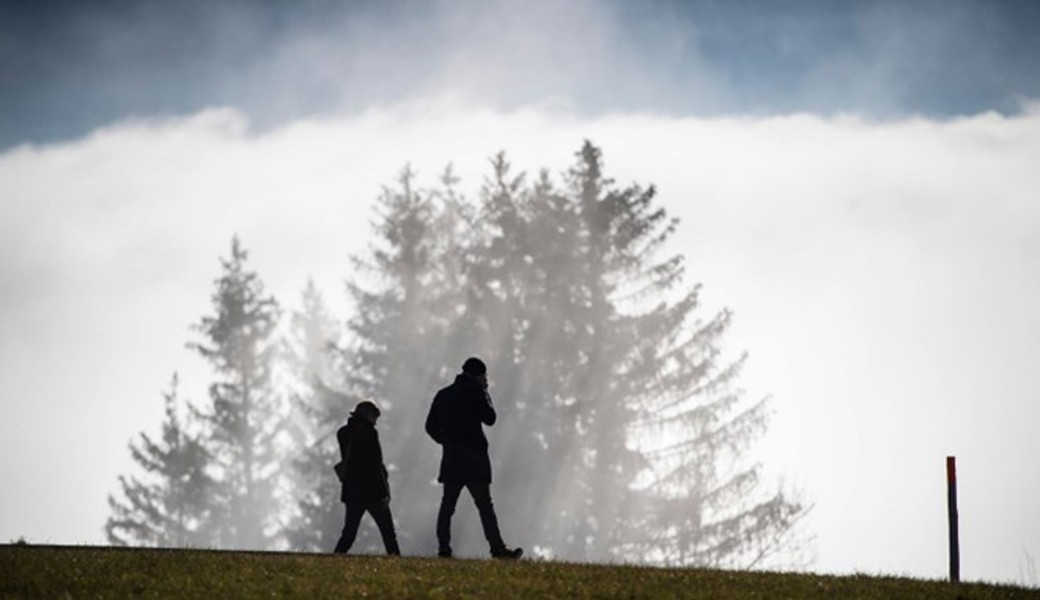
<point x="455" y="422"/>
<point x="361" y="471"/>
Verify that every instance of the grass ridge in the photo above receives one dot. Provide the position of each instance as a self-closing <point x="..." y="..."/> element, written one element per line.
<point x="37" y="571"/>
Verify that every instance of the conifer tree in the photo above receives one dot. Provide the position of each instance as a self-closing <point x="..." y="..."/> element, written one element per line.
<point x="322" y="404"/>
<point x="168" y="505"/>
<point x="541" y="295"/>
<point x="245" y="419"/>
<point x="404" y="293"/>
<point x="604" y="355"/>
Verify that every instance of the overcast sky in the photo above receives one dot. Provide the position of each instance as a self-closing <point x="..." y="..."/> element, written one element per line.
<point x="856" y="181"/>
<point x="70" y="66"/>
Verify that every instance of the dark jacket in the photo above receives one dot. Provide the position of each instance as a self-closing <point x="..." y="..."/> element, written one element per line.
<point x="366" y="480"/>
<point x="456" y="421"/>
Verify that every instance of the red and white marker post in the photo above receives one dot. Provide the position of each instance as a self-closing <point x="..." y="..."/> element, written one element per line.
<point x="951" y="509"/>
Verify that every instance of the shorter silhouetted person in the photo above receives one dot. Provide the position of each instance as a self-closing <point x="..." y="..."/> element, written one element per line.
<point x="456" y="421"/>
<point x="365" y="486"/>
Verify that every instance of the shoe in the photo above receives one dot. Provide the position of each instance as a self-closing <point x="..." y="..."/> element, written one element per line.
<point x="444" y="553"/>
<point x="508" y="553"/>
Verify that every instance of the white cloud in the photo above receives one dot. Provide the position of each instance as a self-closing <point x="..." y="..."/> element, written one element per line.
<point x="883" y="277"/>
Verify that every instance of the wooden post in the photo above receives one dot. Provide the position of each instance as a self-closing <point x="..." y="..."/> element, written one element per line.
<point x="951" y="509"/>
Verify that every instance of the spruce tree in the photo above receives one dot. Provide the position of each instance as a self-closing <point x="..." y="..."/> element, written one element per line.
<point x="405" y="293"/>
<point x="602" y="354"/>
<point x="315" y="360"/>
<point x="245" y="418"/>
<point x="541" y="297"/>
<point x="168" y="506"/>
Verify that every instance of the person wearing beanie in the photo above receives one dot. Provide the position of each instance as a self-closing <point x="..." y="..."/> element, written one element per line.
<point x="456" y="421"/>
<point x="364" y="483"/>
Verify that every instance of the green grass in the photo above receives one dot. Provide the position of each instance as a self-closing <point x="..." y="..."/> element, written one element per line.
<point x="28" y="571"/>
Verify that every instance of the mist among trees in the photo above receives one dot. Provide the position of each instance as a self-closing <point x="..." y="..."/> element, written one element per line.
<point x="623" y="432"/>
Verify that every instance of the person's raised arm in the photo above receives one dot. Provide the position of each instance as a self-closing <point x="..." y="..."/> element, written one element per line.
<point x="488" y="415"/>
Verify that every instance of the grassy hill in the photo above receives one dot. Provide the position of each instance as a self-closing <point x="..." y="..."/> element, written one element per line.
<point x="87" y="572"/>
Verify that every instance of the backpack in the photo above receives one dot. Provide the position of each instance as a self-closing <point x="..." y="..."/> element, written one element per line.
<point x="341" y="467"/>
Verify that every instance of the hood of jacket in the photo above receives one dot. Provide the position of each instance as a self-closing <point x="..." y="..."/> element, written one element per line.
<point x="358" y="422"/>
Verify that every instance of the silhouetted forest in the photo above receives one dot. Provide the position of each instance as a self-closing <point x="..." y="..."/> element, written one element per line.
<point x="623" y="433"/>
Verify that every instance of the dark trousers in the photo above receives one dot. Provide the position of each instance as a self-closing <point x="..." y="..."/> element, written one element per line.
<point x="481" y="493"/>
<point x="384" y="520"/>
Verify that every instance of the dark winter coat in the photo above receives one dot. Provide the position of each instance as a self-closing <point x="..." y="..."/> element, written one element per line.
<point x="456" y="421"/>
<point x="365" y="480"/>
